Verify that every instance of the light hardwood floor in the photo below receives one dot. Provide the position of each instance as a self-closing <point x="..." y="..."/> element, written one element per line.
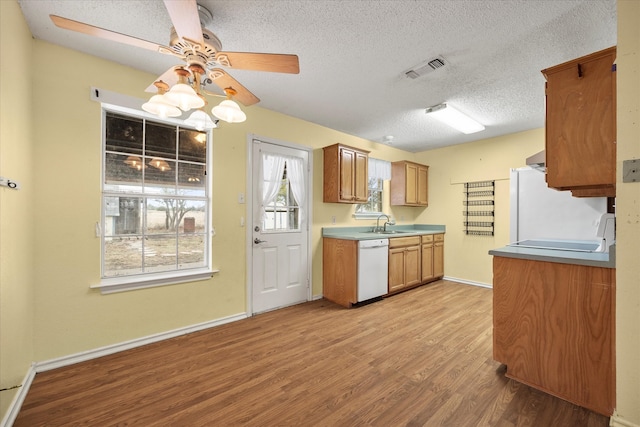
<point x="419" y="358"/>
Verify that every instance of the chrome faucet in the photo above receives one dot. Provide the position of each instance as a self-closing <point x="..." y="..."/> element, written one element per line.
<point x="387" y="222"/>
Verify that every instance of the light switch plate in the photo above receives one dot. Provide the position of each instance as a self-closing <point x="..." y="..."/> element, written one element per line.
<point x="5" y="182"/>
<point x="631" y="170"/>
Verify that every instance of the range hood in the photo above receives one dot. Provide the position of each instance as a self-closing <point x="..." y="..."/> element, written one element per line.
<point x="537" y="161"/>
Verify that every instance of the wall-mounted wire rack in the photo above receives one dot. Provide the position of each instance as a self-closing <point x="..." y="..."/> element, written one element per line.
<point x="479" y="201"/>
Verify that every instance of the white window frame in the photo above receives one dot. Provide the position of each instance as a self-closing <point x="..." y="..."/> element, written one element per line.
<point x="371" y="214"/>
<point x="147" y="280"/>
<point x="380" y="170"/>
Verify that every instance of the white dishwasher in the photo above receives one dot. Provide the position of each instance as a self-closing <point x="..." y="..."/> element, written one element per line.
<point x="373" y="268"/>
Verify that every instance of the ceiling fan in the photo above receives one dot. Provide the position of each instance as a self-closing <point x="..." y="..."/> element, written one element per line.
<point x="181" y="87"/>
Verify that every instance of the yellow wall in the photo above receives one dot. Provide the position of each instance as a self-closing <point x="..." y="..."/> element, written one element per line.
<point x="628" y="215"/>
<point x="59" y="167"/>
<point x="467" y="257"/>
<point x="67" y="194"/>
<point x="16" y="207"/>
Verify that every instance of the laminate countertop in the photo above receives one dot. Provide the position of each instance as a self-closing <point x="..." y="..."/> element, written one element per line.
<point x="367" y="233"/>
<point x="593" y="259"/>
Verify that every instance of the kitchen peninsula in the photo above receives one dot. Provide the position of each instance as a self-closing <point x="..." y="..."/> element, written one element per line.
<point x="554" y="322"/>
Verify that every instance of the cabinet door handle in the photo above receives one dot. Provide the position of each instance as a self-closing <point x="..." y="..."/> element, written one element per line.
<point x="580" y="71"/>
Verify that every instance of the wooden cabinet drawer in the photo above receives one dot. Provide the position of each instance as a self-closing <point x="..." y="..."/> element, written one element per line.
<point x="427" y="238"/>
<point x="438" y="237"/>
<point x="397" y="242"/>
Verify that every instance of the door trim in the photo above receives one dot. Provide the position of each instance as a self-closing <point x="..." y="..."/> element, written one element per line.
<point x="248" y="220"/>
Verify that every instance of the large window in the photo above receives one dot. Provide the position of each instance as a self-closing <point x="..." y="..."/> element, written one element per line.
<point x="155" y="199"/>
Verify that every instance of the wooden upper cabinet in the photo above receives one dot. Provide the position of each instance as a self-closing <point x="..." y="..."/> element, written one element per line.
<point x="581" y="125"/>
<point x="409" y="184"/>
<point x="345" y="174"/>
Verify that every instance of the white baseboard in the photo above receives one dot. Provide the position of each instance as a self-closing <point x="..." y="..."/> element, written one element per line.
<point x="127" y="345"/>
<point x="468" y="282"/>
<point x="18" y="399"/>
<point x="59" y="362"/>
<point x="616" y="421"/>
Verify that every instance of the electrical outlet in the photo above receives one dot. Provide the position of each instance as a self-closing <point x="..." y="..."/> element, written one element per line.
<point x="240" y="198"/>
<point x="333" y="220"/>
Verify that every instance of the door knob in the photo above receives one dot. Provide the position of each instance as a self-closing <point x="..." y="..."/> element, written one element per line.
<point x="256" y="241"/>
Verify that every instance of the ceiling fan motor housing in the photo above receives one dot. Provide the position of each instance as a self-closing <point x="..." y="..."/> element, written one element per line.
<point x="193" y="52"/>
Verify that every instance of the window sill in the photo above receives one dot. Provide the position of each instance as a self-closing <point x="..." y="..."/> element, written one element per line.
<point x="123" y="284"/>
<point x="367" y="215"/>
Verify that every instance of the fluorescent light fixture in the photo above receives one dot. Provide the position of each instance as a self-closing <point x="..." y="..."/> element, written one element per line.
<point x="454" y="118"/>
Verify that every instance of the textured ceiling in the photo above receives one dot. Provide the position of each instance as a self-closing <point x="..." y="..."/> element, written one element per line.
<point x="354" y="53"/>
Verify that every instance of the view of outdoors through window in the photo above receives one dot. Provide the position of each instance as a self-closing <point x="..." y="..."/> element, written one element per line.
<point x="282" y="214"/>
<point x="374" y="201"/>
<point x="154" y="197"/>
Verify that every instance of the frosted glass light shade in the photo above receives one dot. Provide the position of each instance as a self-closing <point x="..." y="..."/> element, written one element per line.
<point x="201" y="121"/>
<point x="454" y="118"/>
<point x="159" y="106"/>
<point x="229" y="111"/>
<point x="183" y="96"/>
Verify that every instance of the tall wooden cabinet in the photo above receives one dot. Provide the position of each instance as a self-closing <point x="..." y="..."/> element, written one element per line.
<point x="345" y="174"/>
<point x="581" y="125"/>
<point x="404" y="263"/>
<point x="554" y="328"/>
<point x="409" y="184"/>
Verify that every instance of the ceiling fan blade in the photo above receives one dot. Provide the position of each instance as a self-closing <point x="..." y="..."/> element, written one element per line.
<point x="225" y="81"/>
<point x="169" y="77"/>
<point x="274" y="62"/>
<point x="185" y="19"/>
<point x="81" y="27"/>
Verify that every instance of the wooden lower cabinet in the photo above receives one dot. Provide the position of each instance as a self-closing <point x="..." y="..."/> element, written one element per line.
<point x="404" y="263"/>
<point x="427" y="258"/>
<point x="432" y="257"/>
<point x="340" y="271"/>
<point x="554" y="328"/>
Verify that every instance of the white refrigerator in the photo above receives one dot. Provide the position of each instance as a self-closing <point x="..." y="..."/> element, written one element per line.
<point x="540" y="212"/>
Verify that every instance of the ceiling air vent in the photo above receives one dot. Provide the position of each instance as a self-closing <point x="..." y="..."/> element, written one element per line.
<point x="426" y="67"/>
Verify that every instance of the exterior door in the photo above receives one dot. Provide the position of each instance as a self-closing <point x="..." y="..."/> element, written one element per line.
<point x="280" y="230"/>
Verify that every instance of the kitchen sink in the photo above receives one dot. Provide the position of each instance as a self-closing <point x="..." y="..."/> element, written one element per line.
<point x="386" y="232"/>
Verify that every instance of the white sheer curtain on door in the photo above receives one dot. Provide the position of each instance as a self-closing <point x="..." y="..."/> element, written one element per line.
<point x="295" y="172"/>
<point x="272" y="171"/>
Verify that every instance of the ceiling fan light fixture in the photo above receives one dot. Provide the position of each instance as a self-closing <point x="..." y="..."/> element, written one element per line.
<point x="201" y="121"/>
<point x="229" y="111"/>
<point x="454" y="118"/>
<point x="159" y="106"/>
<point x="183" y="96"/>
